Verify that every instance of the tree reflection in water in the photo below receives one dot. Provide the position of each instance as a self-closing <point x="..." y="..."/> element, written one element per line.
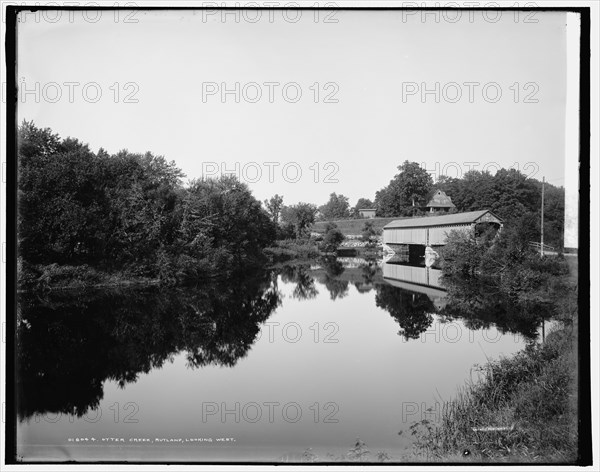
<point x="300" y="275"/>
<point x="337" y="287"/>
<point x="413" y="311"/>
<point x="480" y="304"/>
<point x="69" y="345"/>
<point x="477" y="301"/>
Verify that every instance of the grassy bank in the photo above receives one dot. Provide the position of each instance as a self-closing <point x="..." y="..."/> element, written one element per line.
<point x="532" y="394"/>
<point x="354" y="226"/>
<point x="288" y="249"/>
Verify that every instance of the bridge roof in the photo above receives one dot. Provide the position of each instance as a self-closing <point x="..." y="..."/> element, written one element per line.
<point x="443" y="220"/>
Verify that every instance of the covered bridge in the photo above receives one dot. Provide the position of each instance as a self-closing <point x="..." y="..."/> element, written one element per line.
<point x="433" y="230"/>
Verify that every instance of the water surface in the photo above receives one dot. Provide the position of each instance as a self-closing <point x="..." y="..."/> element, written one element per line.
<point x="304" y="359"/>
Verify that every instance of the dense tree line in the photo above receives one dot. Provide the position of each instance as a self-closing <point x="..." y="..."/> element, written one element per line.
<point x="513" y="197"/>
<point x="508" y="193"/>
<point x="129" y="212"/>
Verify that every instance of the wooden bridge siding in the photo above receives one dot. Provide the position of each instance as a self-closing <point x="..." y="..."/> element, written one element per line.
<point x="416" y="275"/>
<point x="405" y="236"/>
<point x="433" y="236"/>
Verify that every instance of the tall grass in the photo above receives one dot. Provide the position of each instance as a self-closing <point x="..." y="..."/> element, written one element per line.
<point x="531" y="394"/>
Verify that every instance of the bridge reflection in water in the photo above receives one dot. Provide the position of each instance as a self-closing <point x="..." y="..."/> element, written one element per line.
<point x="416" y="279"/>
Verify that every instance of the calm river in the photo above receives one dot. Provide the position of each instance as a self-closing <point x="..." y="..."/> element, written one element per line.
<point x="297" y="361"/>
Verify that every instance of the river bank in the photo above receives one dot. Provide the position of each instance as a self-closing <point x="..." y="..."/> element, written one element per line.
<point x="522" y="409"/>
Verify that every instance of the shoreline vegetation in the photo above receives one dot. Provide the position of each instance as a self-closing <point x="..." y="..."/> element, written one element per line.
<point x="523" y="410"/>
<point x="94" y="220"/>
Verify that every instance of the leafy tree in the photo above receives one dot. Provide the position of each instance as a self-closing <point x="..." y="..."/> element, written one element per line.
<point x="223" y="223"/>
<point x="406" y="192"/>
<point x="462" y="254"/>
<point x="368" y="231"/>
<point x="336" y="208"/>
<point x="332" y="238"/>
<point x="274" y="206"/>
<point x="360" y="204"/>
<point x="59" y="212"/>
<point x="141" y="212"/>
<point x="300" y="216"/>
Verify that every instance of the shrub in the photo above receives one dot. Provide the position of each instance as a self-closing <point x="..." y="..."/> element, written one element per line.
<point x="332" y="239"/>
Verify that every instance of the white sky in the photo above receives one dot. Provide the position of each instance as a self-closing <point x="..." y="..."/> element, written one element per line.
<point x="368" y="54"/>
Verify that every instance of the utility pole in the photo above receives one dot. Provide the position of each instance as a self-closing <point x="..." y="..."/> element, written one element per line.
<point x="542" y="241"/>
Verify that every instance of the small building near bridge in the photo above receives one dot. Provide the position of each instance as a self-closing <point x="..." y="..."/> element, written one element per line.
<point x="367" y="212"/>
<point x="440" y="202"/>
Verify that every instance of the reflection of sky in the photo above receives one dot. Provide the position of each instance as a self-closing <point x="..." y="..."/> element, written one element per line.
<point x="371" y="373"/>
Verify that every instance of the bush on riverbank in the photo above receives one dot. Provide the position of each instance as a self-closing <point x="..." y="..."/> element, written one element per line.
<point x="332" y="238"/>
<point x="60" y="277"/>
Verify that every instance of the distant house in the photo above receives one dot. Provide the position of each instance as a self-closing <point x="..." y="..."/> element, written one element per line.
<point x="440" y="202"/>
<point x="367" y="212"/>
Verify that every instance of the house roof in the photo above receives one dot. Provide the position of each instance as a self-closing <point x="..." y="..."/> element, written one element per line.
<point x="444" y="220"/>
<point x="367" y="209"/>
<point x="440" y="200"/>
